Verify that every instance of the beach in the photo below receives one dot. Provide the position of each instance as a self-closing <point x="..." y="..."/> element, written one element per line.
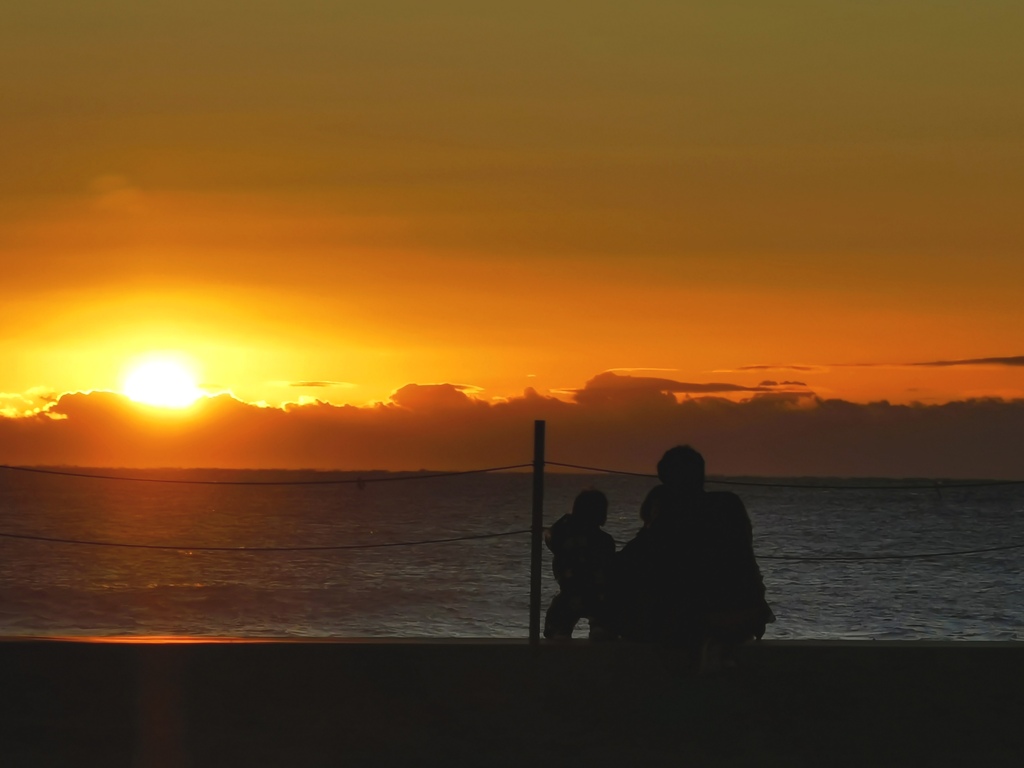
<point x="158" y="702"/>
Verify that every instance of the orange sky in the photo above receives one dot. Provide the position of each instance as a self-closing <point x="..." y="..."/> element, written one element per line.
<point x="510" y="198"/>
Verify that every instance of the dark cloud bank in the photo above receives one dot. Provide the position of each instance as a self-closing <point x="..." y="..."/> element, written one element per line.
<point x="1016" y="361"/>
<point x="615" y="421"/>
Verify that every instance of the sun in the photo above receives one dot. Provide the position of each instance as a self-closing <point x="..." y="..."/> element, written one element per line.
<point x="162" y="382"/>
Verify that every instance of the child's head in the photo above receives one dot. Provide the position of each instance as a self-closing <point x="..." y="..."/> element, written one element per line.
<point x="591" y="506"/>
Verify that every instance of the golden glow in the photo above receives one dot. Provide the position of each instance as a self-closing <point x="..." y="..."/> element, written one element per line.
<point x="162" y="382"/>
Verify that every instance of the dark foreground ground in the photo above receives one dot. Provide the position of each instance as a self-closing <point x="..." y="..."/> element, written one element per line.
<point x="488" y="703"/>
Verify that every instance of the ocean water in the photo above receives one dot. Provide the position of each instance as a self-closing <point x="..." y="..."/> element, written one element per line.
<point x="472" y="588"/>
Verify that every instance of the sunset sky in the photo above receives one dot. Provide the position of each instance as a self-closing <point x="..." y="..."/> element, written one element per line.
<point x="584" y="211"/>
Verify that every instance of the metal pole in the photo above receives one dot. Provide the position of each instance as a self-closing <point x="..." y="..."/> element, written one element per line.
<point x="536" y="530"/>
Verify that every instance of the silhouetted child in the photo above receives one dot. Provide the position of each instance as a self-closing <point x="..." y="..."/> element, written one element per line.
<point x="583" y="557"/>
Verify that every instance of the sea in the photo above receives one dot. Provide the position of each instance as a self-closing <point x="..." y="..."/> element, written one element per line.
<point x="415" y="555"/>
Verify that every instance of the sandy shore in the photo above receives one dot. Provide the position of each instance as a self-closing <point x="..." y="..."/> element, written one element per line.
<point x="503" y="703"/>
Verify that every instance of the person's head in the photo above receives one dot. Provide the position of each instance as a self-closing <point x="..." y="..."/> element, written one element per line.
<point x="682" y="468"/>
<point x="591" y="507"/>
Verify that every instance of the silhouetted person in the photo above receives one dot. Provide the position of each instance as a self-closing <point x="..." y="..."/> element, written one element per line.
<point x="582" y="566"/>
<point x="634" y="577"/>
<point x="712" y="589"/>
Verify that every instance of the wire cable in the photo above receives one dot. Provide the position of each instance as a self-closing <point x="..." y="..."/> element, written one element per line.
<point x="914" y="556"/>
<point x="360" y="481"/>
<point x="477" y="537"/>
<point x="934" y="484"/>
<point x="325" y="548"/>
<point x="599" y="469"/>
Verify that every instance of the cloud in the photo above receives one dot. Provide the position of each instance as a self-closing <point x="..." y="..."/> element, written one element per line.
<point x="313" y="384"/>
<point x="803" y="368"/>
<point x="436" y="396"/>
<point x="35" y="400"/>
<point x="1013" y="361"/>
<point x="1017" y="361"/>
<point x="443" y="426"/>
<point x="14" y="404"/>
<point x="789" y="396"/>
<point x="637" y="370"/>
<point x="783" y="386"/>
<point x="609" y="388"/>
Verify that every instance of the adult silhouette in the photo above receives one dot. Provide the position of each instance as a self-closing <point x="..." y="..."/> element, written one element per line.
<point x="700" y="583"/>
